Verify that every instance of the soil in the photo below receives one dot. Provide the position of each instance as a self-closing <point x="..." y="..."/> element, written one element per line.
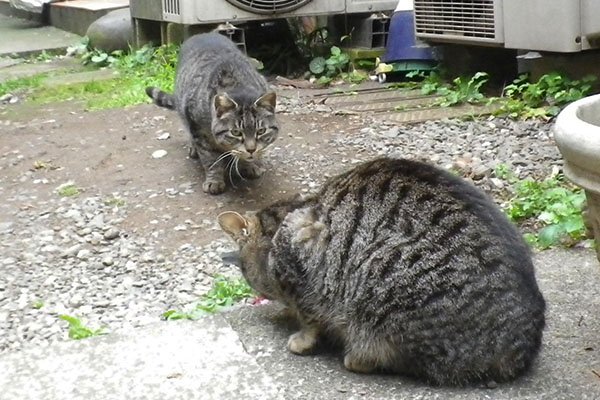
<point x="109" y="153"/>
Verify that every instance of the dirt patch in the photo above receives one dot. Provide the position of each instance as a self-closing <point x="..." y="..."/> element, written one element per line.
<point x="109" y="153"/>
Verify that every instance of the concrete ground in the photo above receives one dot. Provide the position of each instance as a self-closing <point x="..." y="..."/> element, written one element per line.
<point x="242" y="354"/>
<point x="24" y="37"/>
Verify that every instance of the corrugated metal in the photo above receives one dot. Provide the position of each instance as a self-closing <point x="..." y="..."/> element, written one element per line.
<point x="171" y="7"/>
<point x="470" y="19"/>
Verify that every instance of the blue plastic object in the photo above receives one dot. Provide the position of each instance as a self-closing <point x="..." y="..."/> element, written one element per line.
<point x="401" y="44"/>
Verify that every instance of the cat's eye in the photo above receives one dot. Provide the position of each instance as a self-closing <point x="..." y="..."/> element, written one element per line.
<point x="261" y="131"/>
<point x="236" y="132"/>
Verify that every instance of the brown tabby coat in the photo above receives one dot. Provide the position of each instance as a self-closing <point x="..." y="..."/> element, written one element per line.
<point x="226" y="107"/>
<point x="414" y="270"/>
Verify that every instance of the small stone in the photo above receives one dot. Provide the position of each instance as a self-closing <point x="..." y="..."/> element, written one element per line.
<point x="164" y="136"/>
<point x="72" y="251"/>
<point x="461" y="164"/>
<point x="49" y="280"/>
<point x="84" y="254"/>
<point x="111" y="234"/>
<point x="481" y="171"/>
<point x="159" y="154"/>
<point x="392" y="132"/>
<point x="147" y="257"/>
<point x="4" y="316"/>
<point x="76" y="301"/>
<point x="97" y="222"/>
<point x="102" y="303"/>
<point x="6" y="227"/>
<point x="497" y="183"/>
<point x="108" y="261"/>
<point x="130" y="265"/>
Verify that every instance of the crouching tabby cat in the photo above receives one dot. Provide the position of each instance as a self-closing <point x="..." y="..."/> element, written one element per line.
<point x="224" y="103"/>
<point x="412" y="269"/>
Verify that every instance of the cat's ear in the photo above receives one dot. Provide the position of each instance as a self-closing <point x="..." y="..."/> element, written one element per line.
<point x="233" y="224"/>
<point x="223" y="104"/>
<point x="267" y="101"/>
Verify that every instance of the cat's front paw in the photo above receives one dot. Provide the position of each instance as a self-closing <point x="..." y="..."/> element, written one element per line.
<point x="251" y="170"/>
<point x="213" y="186"/>
<point x="303" y="342"/>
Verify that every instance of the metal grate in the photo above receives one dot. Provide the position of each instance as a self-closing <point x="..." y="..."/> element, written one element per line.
<point x="268" y="6"/>
<point x="171" y="7"/>
<point x="467" y="18"/>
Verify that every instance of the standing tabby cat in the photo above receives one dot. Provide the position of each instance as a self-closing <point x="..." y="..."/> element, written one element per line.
<point x="412" y="269"/>
<point x="225" y="105"/>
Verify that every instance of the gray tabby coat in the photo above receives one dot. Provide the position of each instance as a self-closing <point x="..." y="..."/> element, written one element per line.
<point x="410" y="268"/>
<point x="226" y="106"/>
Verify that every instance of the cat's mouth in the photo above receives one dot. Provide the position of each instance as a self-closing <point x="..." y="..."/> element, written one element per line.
<point x="231" y="258"/>
<point x="255" y="156"/>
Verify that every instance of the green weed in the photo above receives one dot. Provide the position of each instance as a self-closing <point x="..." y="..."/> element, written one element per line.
<point x="135" y="70"/>
<point x="30" y="82"/>
<point x="114" y="201"/>
<point x="429" y="82"/>
<point x="78" y="331"/>
<point x="335" y="65"/>
<point x="45" y="165"/>
<point x="43" y="56"/>
<point x="463" y="90"/>
<point x="68" y="190"/>
<point x="37" y="304"/>
<point x="224" y="293"/>
<point x="460" y="91"/>
<point x="552" y="208"/>
<point x="544" y="98"/>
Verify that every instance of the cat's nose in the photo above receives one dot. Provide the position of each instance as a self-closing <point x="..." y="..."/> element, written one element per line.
<point x="251" y="150"/>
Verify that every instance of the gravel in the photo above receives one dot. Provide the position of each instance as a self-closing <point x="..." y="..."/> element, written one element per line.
<point x="76" y="256"/>
<point x="73" y="259"/>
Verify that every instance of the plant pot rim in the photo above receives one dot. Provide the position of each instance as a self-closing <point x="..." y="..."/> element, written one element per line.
<point x="579" y="143"/>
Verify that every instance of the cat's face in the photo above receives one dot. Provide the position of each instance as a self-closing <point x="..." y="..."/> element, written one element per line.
<point x="244" y="129"/>
<point x="254" y="249"/>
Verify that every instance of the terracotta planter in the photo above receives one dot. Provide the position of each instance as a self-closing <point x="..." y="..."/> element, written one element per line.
<point x="577" y="135"/>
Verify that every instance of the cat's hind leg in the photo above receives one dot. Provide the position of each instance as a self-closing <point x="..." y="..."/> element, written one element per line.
<point x="364" y="354"/>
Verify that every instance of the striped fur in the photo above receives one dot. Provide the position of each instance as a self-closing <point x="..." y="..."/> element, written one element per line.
<point x="411" y="268"/>
<point x="226" y="107"/>
<point x="161" y="98"/>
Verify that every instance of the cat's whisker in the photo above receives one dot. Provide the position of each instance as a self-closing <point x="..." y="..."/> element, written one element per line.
<point x="237" y="162"/>
<point x="230" y="167"/>
<point x="221" y="157"/>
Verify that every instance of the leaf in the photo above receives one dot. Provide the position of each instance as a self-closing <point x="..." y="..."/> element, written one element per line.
<point x="73" y="322"/>
<point x="578" y="201"/>
<point x="98" y="58"/>
<point x="317" y="65"/>
<point x="549" y="235"/>
<point x="548" y="217"/>
<point x="530" y="238"/>
<point x="324" y="81"/>
<point x="574" y="224"/>
<point x="335" y="51"/>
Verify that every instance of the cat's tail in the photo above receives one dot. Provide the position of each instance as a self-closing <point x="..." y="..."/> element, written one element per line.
<point x="161" y="98"/>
